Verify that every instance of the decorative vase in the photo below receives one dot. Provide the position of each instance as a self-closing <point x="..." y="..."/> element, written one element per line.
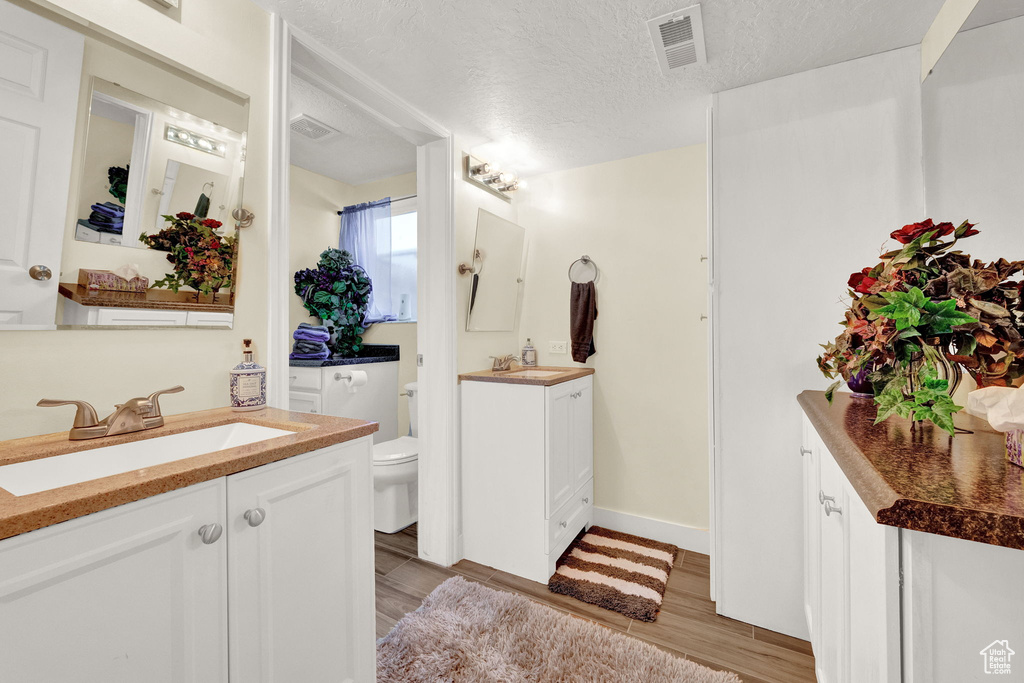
<point x="859" y="384"/>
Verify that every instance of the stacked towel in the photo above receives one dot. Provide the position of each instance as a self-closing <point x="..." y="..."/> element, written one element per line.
<point x="107" y="217"/>
<point x="310" y="343"/>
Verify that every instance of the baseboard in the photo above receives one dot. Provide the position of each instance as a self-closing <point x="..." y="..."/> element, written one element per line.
<point x="686" y="537"/>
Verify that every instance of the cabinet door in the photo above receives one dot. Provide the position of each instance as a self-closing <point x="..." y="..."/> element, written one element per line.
<point x="831" y="657"/>
<point x="128" y="594"/>
<point x="583" y="432"/>
<point x="560" y="476"/>
<point x="304" y="402"/>
<point x="301" y="581"/>
<point x="810" y="450"/>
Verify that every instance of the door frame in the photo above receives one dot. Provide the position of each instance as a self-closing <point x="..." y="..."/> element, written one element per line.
<point x="436" y="331"/>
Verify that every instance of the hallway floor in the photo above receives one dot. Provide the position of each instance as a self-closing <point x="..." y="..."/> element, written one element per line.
<point x="686" y="627"/>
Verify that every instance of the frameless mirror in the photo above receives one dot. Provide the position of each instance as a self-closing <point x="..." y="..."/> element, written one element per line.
<point x="497" y="274"/>
<point x="104" y="142"/>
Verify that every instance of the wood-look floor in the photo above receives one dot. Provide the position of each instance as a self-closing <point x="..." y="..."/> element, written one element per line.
<point x="686" y="627"/>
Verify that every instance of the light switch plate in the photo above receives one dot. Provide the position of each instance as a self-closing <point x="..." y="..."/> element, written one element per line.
<point x="559" y="347"/>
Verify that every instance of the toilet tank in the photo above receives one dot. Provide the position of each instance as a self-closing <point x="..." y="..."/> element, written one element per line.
<point x="412" y="389"/>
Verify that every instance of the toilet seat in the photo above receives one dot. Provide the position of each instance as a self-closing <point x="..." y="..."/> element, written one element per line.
<point x="397" y="451"/>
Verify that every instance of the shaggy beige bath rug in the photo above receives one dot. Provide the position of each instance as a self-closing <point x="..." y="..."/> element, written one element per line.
<point x="617" y="571"/>
<point x="467" y="633"/>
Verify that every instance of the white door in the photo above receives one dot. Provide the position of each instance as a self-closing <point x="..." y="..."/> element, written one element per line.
<point x="40" y="73"/>
<point x="583" y="432"/>
<point x="301" y="568"/>
<point x="559" y="478"/>
<point x="128" y="594"/>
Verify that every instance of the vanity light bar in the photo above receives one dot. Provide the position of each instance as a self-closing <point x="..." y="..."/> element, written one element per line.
<point x="490" y="178"/>
<point x="195" y="141"/>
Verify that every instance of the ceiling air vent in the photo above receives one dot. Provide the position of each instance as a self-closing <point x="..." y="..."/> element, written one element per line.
<point x="308" y="127"/>
<point x="678" y="39"/>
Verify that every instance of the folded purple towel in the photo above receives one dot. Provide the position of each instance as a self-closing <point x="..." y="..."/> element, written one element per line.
<point x="108" y="209"/>
<point x="323" y="355"/>
<point x="308" y="334"/>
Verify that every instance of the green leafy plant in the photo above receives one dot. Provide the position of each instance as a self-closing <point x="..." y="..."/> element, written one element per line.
<point x="203" y="259"/>
<point x="927" y="308"/>
<point x="118" y="179"/>
<point x="337" y="292"/>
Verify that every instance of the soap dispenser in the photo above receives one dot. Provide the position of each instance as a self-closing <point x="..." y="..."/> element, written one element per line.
<point x="529" y="354"/>
<point x="248" y="382"/>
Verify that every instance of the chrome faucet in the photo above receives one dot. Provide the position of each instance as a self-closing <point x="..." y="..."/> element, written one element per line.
<point x="503" y="362"/>
<point x="134" y="415"/>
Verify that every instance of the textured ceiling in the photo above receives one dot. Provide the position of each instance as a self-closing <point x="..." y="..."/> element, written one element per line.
<point x="550" y="85"/>
<point x="364" y="150"/>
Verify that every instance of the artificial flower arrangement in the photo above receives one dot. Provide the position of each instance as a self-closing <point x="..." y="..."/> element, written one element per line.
<point x="203" y="259"/>
<point x="919" y="316"/>
<point x="338" y="292"/>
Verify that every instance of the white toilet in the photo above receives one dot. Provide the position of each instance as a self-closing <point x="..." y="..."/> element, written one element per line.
<point x="396" y="476"/>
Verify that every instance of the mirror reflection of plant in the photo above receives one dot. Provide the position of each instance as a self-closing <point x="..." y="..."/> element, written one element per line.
<point x="923" y="306"/>
<point x="117" y="177"/>
<point x="337" y="292"/>
<point x="203" y="259"/>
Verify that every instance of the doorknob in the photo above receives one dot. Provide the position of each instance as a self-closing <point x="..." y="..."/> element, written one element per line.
<point x="40" y="273"/>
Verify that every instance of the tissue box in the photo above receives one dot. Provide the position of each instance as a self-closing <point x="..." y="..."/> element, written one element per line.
<point x="106" y="280"/>
<point x="1015" y="447"/>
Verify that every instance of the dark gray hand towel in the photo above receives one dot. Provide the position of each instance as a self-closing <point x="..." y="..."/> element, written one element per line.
<point x="582" y="313"/>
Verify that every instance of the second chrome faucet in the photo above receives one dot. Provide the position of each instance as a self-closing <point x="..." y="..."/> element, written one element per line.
<point x="134" y="415"/>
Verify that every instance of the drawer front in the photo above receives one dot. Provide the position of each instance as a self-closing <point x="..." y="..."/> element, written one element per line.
<point x="561" y="523"/>
<point x="140" y="316"/>
<point x="304" y="402"/>
<point x="211" y="319"/>
<point x="305" y="379"/>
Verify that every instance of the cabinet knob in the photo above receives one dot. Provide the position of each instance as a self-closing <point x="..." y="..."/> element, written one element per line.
<point x="805" y="451"/>
<point x="563" y="524"/>
<point x="822" y="497"/>
<point x="210" y="532"/>
<point x="255" y="516"/>
<point x="830" y="508"/>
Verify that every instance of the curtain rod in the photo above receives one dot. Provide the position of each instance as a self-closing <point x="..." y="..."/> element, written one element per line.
<point x="396" y="199"/>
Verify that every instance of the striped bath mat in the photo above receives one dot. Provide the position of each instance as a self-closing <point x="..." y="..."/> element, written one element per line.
<point x="617" y="571"/>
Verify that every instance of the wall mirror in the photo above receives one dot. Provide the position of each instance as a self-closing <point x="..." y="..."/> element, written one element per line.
<point x="141" y="140"/>
<point x="497" y="274"/>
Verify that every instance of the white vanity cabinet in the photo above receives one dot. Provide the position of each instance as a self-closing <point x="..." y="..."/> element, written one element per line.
<point x="527" y="472"/>
<point x="851" y="576"/>
<point x="327" y="391"/>
<point x="280" y="587"/>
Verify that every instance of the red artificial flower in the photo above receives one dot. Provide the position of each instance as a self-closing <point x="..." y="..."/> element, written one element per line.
<point x="184" y="215"/>
<point x="909" y="233"/>
<point x="215" y="244"/>
<point x="211" y="223"/>
<point x="861" y="282"/>
<point x="970" y="230"/>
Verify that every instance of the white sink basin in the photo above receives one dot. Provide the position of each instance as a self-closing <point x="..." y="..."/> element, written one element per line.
<point x="532" y="374"/>
<point x="44" y="474"/>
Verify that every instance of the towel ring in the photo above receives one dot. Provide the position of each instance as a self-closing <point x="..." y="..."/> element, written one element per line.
<point x="589" y="268"/>
<point x="204" y="186"/>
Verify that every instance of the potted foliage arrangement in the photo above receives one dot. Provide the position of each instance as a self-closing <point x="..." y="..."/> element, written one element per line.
<point x="337" y="292"/>
<point x="921" y="316"/>
<point x="202" y="259"/>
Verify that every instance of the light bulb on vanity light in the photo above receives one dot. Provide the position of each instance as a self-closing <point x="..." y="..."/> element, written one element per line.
<point x="507" y="177"/>
<point x="480" y="169"/>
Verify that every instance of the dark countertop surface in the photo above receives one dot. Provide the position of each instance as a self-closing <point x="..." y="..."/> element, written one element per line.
<point x="922" y="479"/>
<point x="370" y="353"/>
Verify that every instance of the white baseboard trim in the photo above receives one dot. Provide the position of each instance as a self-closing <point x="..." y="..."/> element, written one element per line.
<point x="686" y="537"/>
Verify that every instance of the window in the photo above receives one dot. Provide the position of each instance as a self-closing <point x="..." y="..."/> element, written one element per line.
<point x="403" y="262"/>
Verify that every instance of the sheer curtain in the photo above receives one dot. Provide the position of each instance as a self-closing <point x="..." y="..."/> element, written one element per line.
<point x="366" y="234"/>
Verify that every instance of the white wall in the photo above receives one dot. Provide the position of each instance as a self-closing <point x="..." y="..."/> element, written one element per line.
<point x="973" y="138"/>
<point x="106" y="367"/>
<point x="643" y="220"/>
<point x="812" y="172"/>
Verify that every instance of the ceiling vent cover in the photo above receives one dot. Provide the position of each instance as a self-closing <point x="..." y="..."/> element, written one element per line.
<point x="678" y="39"/>
<point x="308" y="127"/>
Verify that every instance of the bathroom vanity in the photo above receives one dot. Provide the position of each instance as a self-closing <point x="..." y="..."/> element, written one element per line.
<point x="249" y="562"/>
<point x="527" y="466"/>
<point x="914" y="547"/>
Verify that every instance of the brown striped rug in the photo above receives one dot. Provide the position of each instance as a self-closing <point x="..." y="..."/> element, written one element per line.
<point x="617" y="571"/>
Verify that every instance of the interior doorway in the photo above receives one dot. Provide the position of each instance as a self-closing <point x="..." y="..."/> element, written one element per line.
<point x="390" y="147"/>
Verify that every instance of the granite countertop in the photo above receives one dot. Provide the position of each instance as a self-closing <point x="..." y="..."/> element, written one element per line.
<point x="923" y="479"/>
<point x="19" y="514"/>
<point x="370" y="353"/>
<point x="161" y="299"/>
<point x="509" y="376"/>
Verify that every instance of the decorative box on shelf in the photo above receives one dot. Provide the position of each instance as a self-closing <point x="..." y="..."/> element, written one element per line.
<point x="1015" y="447"/>
<point x="108" y="281"/>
